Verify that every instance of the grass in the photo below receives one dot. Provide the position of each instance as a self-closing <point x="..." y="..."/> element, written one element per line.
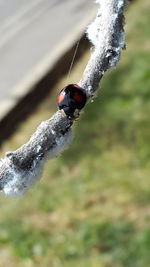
<point x="92" y="206"/>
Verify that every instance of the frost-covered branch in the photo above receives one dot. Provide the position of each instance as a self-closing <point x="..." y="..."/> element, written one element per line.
<point x="107" y="35"/>
<point x="21" y="168"/>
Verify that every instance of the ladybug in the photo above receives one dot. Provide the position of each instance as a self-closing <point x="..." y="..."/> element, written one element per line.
<point x="72" y="99"/>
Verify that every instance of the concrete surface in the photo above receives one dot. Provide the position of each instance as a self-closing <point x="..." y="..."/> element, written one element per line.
<point x="34" y="35"/>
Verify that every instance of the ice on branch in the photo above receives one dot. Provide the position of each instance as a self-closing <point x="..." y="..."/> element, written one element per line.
<point x="20" y="180"/>
<point x="106" y="33"/>
<point x="21" y="168"/>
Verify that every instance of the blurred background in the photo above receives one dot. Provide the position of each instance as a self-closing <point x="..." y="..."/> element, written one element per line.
<point x="92" y="206"/>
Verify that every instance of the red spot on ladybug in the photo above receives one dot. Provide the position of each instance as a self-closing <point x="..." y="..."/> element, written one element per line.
<point x="71" y="99"/>
<point x="78" y="97"/>
<point x="61" y="97"/>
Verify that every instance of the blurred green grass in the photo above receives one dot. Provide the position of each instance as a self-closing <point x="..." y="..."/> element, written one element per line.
<point x="92" y="206"/>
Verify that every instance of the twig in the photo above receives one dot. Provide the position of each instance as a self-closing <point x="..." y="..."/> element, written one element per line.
<point x="21" y="168"/>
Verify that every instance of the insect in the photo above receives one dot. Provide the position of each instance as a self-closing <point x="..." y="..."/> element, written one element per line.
<point x="72" y="99"/>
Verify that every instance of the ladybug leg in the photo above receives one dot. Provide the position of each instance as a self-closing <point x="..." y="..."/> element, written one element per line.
<point x="76" y="113"/>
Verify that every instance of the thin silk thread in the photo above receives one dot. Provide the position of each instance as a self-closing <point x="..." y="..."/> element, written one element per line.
<point x="73" y="59"/>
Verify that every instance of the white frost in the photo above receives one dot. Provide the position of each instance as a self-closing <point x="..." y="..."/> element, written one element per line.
<point x="62" y="143"/>
<point x="20" y="181"/>
<point x="120" y="4"/>
<point x="93" y="31"/>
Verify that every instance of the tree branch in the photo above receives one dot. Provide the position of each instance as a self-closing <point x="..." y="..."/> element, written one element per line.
<point x="107" y="35"/>
<point x="21" y="168"/>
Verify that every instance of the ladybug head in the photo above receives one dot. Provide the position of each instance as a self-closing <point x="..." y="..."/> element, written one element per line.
<point x="71" y="99"/>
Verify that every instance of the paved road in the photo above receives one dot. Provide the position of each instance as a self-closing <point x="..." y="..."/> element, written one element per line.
<point x="30" y="30"/>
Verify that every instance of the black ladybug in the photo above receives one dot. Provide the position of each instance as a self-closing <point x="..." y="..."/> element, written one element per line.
<point x="71" y="99"/>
